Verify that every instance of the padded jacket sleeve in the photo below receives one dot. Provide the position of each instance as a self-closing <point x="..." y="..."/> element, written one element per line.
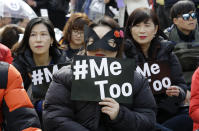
<point x="194" y="102"/>
<point x="58" y="111"/>
<point x="18" y="111"/>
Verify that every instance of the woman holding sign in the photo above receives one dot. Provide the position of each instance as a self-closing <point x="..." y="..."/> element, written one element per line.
<point x="62" y="113"/>
<point x="156" y="61"/>
<point x="37" y="48"/>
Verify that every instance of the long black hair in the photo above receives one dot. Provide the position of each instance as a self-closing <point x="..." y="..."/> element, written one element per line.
<point x="25" y="41"/>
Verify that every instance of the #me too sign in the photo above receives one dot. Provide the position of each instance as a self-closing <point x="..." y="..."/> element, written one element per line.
<point x="158" y="74"/>
<point x="95" y="78"/>
<point x="41" y="78"/>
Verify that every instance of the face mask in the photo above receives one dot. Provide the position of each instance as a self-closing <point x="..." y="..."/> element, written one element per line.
<point x="110" y="41"/>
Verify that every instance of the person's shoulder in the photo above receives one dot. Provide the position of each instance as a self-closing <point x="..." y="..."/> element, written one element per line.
<point x="138" y="78"/>
<point x="12" y="71"/>
<point x="197" y="72"/>
<point x="4" y="49"/>
<point x="63" y="75"/>
<point x="14" y="78"/>
<point x="19" y="62"/>
<point x="168" y="30"/>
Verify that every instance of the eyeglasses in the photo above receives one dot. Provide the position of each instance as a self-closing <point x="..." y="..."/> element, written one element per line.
<point x="188" y="15"/>
<point x="77" y="32"/>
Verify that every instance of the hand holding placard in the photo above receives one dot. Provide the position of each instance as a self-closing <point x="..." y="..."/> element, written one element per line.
<point x="95" y="78"/>
<point x="110" y="107"/>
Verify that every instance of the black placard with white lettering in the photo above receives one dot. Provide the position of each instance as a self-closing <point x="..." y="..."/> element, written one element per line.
<point x="158" y="74"/>
<point x="95" y="78"/>
<point x="41" y="78"/>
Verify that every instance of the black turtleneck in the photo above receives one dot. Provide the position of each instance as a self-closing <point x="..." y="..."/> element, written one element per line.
<point x="186" y="38"/>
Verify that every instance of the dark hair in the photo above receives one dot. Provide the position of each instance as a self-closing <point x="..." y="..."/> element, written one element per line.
<point x="10" y="35"/>
<point x="182" y="7"/>
<point x="108" y="21"/>
<point x="141" y="15"/>
<point x="77" y="22"/>
<point x="25" y="41"/>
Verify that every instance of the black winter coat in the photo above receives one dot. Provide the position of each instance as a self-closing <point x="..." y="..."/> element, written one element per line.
<point x="161" y="50"/>
<point x="24" y="63"/>
<point x="62" y="114"/>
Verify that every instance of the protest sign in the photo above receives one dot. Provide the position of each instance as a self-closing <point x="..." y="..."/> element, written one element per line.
<point x="41" y="78"/>
<point x="96" y="78"/>
<point x="158" y="74"/>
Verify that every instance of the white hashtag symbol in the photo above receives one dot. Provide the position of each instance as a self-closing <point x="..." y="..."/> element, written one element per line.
<point x="37" y="77"/>
<point x="80" y="69"/>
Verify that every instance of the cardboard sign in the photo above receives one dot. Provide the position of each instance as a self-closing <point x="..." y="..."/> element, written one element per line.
<point x="158" y="74"/>
<point x="41" y="78"/>
<point x="95" y="78"/>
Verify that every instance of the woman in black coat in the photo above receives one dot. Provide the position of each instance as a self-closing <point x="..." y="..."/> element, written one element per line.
<point x="28" y="56"/>
<point x="144" y="43"/>
<point x="63" y="114"/>
<point x="38" y="48"/>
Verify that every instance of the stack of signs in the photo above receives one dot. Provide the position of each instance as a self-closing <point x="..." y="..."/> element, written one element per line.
<point x="95" y="78"/>
<point x="158" y="74"/>
<point x="41" y="78"/>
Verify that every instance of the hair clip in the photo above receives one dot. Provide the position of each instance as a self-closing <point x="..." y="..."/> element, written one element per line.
<point x="122" y="33"/>
<point x="119" y="34"/>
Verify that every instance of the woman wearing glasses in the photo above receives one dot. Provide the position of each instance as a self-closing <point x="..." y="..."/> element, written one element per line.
<point x="143" y="42"/>
<point x="73" y="34"/>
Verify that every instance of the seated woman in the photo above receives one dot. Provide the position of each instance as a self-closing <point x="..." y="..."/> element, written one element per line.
<point x="37" y="48"/>
<point x="62" y="113"/>
<point x="73" y="34"/>
<point x="144" y="43"/>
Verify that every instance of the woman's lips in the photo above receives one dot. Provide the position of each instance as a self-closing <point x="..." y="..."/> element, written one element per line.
<point x="38" y="46"/>
<point x="142" y="37"/>
<point x="99" y="55"/>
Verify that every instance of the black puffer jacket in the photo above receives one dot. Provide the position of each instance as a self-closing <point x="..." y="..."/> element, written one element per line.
<point x="62" y="114"/>
<point x="161" y="50"/>
<point x="24" y="63"/>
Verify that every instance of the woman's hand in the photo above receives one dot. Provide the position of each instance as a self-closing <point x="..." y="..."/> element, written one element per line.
<point x="173" y="91"/>
<point x="110" y="107"/>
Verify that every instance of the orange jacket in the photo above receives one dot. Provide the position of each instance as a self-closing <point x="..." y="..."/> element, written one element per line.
<point x="194" y="101"/>
<point x="15" y="106"/>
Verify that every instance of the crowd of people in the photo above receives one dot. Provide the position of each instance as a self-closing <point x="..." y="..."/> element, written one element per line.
<point x="164" y="48"/>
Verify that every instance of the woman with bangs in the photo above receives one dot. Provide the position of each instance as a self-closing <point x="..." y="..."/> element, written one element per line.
<point x="73" y="34"/>
<point x="37" y="48"/>
<point x="144" y="42"/>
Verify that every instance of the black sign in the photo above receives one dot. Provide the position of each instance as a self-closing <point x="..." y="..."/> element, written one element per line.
<point x="95" y="78"/>
<point x="41" y="78"/>
<point x="158" y="74"/>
